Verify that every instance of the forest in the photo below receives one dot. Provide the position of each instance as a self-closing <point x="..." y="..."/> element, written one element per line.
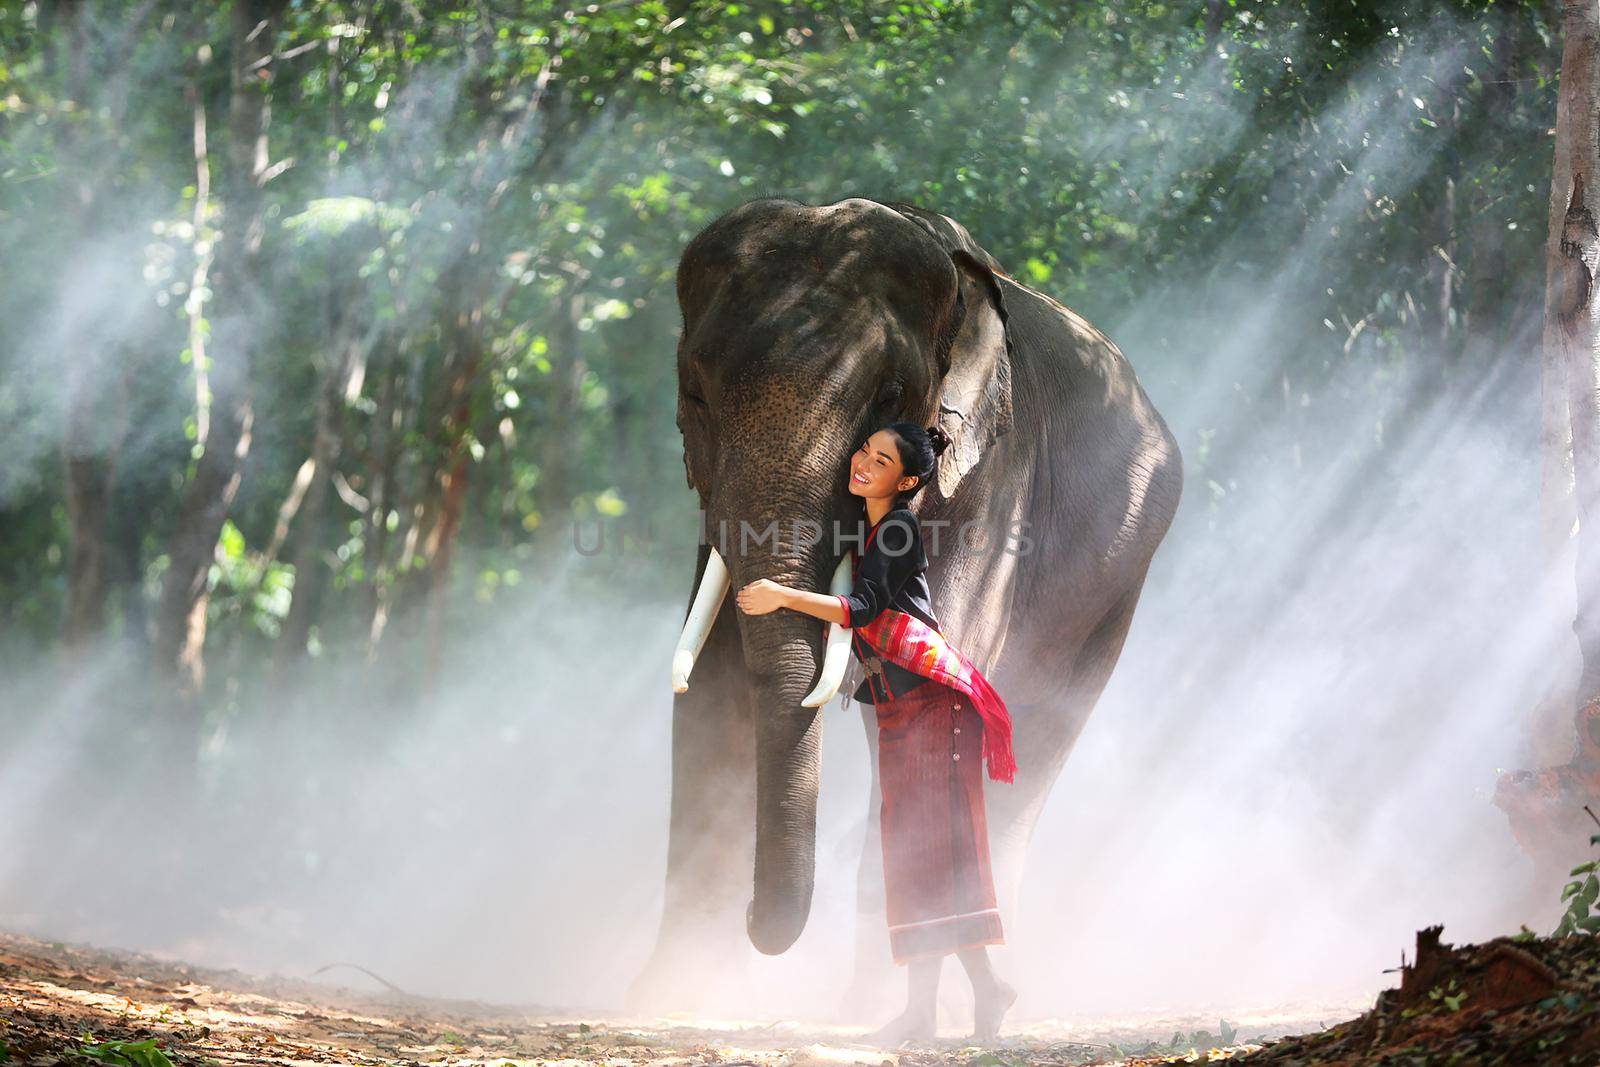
<point x="344" y="519"/>
<point x="336" y="326"/>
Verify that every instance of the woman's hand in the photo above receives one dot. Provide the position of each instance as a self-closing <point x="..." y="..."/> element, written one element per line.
<point x="761" y="596"/>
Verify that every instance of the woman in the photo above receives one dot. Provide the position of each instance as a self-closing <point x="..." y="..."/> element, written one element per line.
<point x="938" y="718"/>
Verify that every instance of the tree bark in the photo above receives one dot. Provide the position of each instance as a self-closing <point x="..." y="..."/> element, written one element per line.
<point x="1571" y="365"/>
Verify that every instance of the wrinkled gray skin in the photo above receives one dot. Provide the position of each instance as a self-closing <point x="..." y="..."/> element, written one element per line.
<point x="805" y="329"/>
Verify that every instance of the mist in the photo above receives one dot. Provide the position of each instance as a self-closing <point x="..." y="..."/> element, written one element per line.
<point x="1342" y="640"/>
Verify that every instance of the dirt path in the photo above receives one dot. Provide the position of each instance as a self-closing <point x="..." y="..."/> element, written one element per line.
<point x="55" y="999"/>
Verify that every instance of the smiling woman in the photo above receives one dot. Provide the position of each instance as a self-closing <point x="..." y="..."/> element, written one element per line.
<point x="939" y="889"/>
<point x="877" y="474"/>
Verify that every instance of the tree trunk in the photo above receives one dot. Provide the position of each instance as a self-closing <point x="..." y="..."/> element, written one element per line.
<point x="467" y="347"/>
<point x="1572" y="318"/>
<point x="181" y="614"/>
<point x="559" y="451"/>
<point x="310" y="572"/>
<point x="388" y="439"/>
<point x="1486" y="302"/>
<point x="87" y="451"/>
<point x="1216" y="10"/>
<point x="1445" y="254"/>
<point x="345" y="327"/>
<point x="1546" y="807"/>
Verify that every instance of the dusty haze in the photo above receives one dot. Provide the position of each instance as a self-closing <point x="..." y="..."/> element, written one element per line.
<point x="1338" y="644"/>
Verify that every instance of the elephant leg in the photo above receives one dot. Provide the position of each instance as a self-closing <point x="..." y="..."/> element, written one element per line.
<point x="1044" y="736"/>
<point x="877" y="985"/>
<point x="702" y="948"/>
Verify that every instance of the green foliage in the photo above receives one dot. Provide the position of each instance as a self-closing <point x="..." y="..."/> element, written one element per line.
<point x="1182" y="1044"/>
<point x="125" y="1053"/>
<point x="245" y="586"/>
<point x="336" y="215"/>
<point x="1439" y="996"/>
<point x="474" y="211"/>
<point x="1580" y="895"/>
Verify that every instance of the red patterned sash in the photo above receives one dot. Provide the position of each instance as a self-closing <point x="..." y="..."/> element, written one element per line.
<point x="906" y="640"/>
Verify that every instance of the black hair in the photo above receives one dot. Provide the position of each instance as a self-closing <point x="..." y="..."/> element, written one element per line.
<point x="920" y="448"/>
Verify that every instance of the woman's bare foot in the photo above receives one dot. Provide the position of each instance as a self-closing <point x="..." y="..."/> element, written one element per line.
<point x="989" y="1006"/>
<point x="909" y="1025"/>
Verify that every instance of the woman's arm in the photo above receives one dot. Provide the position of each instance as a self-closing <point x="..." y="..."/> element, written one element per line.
<point x="879" y="576"/>
<point x="764" y="595"/>
<point x="824" y="606"/>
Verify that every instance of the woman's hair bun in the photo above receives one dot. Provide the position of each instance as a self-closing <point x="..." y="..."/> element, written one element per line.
<point x="919" y="452"/>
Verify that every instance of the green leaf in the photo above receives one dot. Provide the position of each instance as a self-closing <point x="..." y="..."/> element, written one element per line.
<point x="126" y="1053"/>
<point x="232" y="541"/>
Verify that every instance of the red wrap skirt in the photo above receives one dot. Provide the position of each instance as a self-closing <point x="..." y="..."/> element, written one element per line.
<point x="938" y="887"/>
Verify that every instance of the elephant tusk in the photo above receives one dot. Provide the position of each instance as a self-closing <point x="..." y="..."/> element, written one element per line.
<point x="703" y="612"/>
<point x="836" y="650"/>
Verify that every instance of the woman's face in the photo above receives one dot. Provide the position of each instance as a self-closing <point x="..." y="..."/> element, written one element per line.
<point x="876" y="471"/>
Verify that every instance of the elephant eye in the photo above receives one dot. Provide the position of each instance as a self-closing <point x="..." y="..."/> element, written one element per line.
<point x="889" y="395"/>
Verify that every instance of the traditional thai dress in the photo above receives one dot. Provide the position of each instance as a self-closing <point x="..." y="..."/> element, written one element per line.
<point x="938" y="720"/>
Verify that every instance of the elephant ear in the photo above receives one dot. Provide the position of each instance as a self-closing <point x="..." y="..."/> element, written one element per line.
<point x="696" y="463"/>
<point x="975" y="406"/>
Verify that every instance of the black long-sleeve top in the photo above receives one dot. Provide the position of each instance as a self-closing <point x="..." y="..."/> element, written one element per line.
<point x="890" y="572"/>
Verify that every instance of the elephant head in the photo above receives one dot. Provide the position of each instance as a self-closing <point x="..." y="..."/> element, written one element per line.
<point x="804" y="329"/>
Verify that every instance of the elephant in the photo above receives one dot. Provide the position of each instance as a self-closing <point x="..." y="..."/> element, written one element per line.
<point x="804" y="329"/>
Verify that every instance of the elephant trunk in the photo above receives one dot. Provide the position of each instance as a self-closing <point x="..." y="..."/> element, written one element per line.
<point x="788" y="773"/>
<point x="782" y="654"/>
